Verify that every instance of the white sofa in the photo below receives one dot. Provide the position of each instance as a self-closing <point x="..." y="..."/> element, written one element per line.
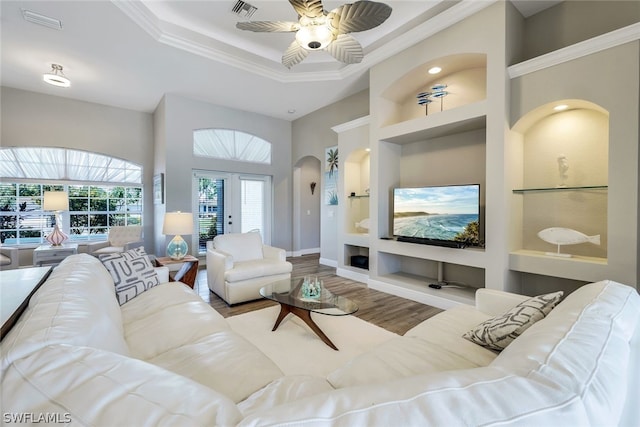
<point x="239" y="264"/>
<point x="167" y="358"/>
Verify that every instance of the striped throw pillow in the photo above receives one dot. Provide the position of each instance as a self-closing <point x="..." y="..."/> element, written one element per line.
<point x="497" y="333"/>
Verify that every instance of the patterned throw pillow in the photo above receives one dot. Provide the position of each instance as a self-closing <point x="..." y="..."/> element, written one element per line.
<point x="497" y="333"/>
<point x="132" y="273"/>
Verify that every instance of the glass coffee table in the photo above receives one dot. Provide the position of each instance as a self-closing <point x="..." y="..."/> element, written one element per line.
<point x="288" y="293"/>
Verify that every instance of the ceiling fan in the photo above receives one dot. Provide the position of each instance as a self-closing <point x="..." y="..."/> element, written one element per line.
<point x="317" y="29"/>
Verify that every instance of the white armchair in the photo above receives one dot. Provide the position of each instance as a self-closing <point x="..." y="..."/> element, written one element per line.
<point x="8" y="258"/>
<point x="120" y="239"/>
<point x="239" y="264"/>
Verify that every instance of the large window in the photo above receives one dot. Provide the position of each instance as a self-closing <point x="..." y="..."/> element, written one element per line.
<point x="103" y="192"/>
<point x="92" y="210"/>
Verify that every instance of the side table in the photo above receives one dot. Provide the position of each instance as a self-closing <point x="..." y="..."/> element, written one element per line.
<point x="47" y="254"/>
<point x="186" y="274"/>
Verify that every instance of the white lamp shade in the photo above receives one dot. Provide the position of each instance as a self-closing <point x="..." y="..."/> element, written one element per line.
<point x="56" y="201"/>
<point x="177" y="223"/>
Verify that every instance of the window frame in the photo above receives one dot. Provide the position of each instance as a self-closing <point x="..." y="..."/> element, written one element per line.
<point x="59" y="164"/>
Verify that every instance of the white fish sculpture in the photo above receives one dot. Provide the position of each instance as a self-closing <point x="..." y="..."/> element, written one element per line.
<point x="565" y="236"/>
<point x="363" y="224"/>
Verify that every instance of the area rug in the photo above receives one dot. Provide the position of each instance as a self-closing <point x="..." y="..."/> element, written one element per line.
<point x="297" y="350"/>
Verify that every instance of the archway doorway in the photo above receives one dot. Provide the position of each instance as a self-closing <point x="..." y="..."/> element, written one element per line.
<point x="306" y="206"/>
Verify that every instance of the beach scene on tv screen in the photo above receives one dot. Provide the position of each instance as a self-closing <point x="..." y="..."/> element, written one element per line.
<point x="445" y="213"/>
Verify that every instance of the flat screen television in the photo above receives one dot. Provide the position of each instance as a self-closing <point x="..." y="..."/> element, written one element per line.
<point x="448" y="213"/>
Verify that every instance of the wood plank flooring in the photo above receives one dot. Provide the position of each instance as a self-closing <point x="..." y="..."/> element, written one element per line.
<point x="387" y="311"/>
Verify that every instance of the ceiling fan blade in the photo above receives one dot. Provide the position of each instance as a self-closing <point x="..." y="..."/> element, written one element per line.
<point x="309" y="8"/>
<point x="268" y="26"/>
<point x="346" y="49"/>
<point x="294" y="55"/>
<point x="360" y="16"/>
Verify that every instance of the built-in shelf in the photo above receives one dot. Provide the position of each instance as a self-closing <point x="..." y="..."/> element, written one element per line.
<point x="585" y="268"/>
<point x="543" y="189"/>
<point x="462" y="119"/>
<point x="472" y="257"/>
<point x="357" y="239"/>
<point x="417" y="288"/>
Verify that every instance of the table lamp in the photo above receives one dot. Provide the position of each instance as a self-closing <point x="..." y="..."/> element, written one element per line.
<point x="56" y="201"/>
<point x="177" y="223"/>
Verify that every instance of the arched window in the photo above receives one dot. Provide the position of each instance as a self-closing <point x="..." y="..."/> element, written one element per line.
<point x="67" y="165"/>
<point x="231" y="145"/>
<point x="103" y="191"/>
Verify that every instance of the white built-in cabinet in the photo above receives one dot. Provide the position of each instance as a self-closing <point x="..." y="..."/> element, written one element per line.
<point x="498" y="128"/>
<point x="354" y="189"/>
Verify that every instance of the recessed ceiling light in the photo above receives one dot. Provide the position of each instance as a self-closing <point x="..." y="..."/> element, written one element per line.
<point x="367" y="149"/>
<point x="291" y="111"/>
<point x="561" y="107"/>
<point x="434" y="70"/>
<point x="56" y="77"/>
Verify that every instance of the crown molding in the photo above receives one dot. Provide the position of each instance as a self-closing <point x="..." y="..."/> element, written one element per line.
<point x="353" y="124"/>
<point x="578" y="50"/>
<point x="159" y="31"/>
<point x="141" y="16"/>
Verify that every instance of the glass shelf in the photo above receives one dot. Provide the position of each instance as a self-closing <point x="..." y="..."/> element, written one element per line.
<point x="358" y="196"/>
<point x="585" y="187"/>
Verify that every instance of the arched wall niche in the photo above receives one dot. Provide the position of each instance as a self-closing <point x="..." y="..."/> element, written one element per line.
<point x="565" y="154"/>
<point x="357" y="182"/>
<point x="306" y="206"/>
<point x="465" y="77"/>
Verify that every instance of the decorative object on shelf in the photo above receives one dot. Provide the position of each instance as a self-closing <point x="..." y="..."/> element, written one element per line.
<point x="563" y="167"/>
<point x="565" y="236"/>
<point x="313" y="187"/>
<point x="311" y="287"/>
<point x="331" y="175"/>
<point x="177" y="223"/>
<point x="426" y="98"/>
<point x="320" y="30"/>
<point x="56" y="77"/>
<point x="363" y="224"/>
<point x="353" y="194"/>
<point x="158" y="189"/>
<point x="56" y="201"/>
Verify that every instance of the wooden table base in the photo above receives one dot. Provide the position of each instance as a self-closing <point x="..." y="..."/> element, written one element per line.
<point x="305" y="315"/>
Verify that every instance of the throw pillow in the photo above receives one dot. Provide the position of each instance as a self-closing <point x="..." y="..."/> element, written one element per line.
<point x="497" y="333"/>
<point x="132" y="273"/>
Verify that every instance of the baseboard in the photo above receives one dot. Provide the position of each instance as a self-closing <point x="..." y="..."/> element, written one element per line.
<point x="328" y="262"/>
<point x="303" y="252"/>
<point x="421" y="297"/>
<point x="353" y="275"/>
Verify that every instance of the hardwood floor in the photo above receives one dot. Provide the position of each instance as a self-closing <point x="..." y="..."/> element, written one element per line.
<point x="390" y="312"/>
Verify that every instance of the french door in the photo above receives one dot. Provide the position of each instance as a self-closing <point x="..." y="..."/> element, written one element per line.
<point x="231" y="203"/>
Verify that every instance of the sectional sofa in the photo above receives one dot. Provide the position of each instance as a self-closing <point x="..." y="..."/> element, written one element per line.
<point x="166" y="357"/>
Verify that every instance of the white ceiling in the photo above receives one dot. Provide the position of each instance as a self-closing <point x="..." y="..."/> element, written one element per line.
<point x="129" y="54"/>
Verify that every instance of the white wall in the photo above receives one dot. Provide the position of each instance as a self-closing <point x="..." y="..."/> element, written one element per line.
<point x="31" y="119"/>
<point x="311" y="135"/>
<point x="182" y="116"/>
<point x="306" y="220"/>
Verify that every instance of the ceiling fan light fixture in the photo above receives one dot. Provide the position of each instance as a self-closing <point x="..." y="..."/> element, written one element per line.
<point x="56" y="77"/>
<point x="318" y="29"/>
<point x="314" y="37"/>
